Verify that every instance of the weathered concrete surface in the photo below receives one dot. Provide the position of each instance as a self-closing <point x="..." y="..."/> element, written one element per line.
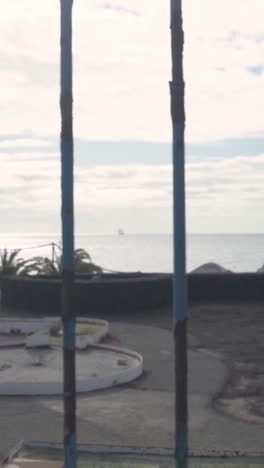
<point x="147" y="409"/>
<point x="144" y="415"/>
<point x="141" y="413"/>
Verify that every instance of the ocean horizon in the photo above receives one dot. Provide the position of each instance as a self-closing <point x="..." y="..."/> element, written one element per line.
<point x="150" y="252"/>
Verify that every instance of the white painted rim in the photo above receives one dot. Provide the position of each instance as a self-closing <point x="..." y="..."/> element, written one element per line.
<point x="82" y="386"/>
<point x="28" y="326"/>
<point x="102" y="333"/>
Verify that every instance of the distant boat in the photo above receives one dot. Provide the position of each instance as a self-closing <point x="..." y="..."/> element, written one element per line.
<point x="121" y="232"/>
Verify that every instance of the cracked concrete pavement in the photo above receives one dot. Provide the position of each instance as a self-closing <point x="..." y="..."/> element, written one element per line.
<point x="141" y="413"/>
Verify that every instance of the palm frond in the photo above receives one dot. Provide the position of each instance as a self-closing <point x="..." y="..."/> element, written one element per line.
<point x="13" y="256"/>
<point x="9" y="261"/>
<point x="39" y="265"/>
<point x="81" y="255"/>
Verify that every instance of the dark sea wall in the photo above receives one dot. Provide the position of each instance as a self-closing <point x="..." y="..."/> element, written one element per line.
<point x="108" y="294"/>
<point x="226" y="287"/>
<point x="127" y="292"/>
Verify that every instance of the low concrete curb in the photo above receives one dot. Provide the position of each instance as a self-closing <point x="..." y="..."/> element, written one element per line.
<point x="16" y="327"/>
<point x="33" y="388"/>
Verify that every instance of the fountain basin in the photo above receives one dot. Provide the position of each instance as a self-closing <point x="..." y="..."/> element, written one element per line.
<point x="97" y="367"/>
<point x="31" y="361"/>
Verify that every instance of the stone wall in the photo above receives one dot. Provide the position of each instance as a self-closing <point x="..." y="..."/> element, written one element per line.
<point x="127" y="292"/>
<point x="106" y="295"/>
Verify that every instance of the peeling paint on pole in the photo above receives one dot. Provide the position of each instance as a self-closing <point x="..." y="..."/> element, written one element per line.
<point x="70" y="444"/>
<point x="180" y="302"/>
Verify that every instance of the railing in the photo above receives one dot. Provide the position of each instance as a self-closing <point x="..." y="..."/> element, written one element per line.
<point x="53" y="246"/>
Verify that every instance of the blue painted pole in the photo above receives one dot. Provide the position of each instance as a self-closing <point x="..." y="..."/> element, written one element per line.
<point x="180" y="299"/>
<point x="66" y="99"/>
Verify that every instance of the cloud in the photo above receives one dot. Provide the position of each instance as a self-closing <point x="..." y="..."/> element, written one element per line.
<point x="122" y="68"/>
<point x="256" y="69"/>
<point x="120" y="9"/>
<point x="223" y="194"/>
<point x="18" y="143"/>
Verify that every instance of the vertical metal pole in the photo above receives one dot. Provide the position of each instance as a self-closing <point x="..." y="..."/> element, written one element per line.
<point x="53" y="255"/>
<point x="70" y="443"/>
<point x="180" y="300"/>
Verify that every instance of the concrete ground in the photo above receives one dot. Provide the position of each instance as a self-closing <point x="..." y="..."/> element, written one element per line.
<point x="226" y="364"/>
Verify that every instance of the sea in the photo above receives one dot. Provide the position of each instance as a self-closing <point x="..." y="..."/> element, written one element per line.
<point x="152" y="252"/>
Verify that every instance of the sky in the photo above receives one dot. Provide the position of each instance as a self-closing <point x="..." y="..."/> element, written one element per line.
<point x="122" y="125"/>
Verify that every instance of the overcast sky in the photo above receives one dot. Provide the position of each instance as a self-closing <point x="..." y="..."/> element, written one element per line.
<point x="122" y="121"/>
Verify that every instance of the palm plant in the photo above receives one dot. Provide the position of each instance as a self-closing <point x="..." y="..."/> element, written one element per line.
<point x="46" y="266"/>
<point x="83" y="263"/>
<point x="10" y="264"/>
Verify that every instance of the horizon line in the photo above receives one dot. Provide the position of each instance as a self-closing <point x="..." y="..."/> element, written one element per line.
<point x="84" y="234"/>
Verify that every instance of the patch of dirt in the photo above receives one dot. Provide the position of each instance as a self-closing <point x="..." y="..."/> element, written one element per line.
<point x="111" y="340"/>
<point x="237" y="332"/>
<point x="241" y="408"/>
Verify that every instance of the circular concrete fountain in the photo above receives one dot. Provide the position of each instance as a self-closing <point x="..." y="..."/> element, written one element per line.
<point x="31" y="360"/>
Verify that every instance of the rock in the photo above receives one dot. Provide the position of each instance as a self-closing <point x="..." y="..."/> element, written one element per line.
<point x="38" y="340"/>
<point x="210" y="268"/>
<point x="261" y="269"/>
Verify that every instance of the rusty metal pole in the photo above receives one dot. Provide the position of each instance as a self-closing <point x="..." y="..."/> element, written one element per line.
<point x="68" y="317"/>
<point x="180" y="300"/>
